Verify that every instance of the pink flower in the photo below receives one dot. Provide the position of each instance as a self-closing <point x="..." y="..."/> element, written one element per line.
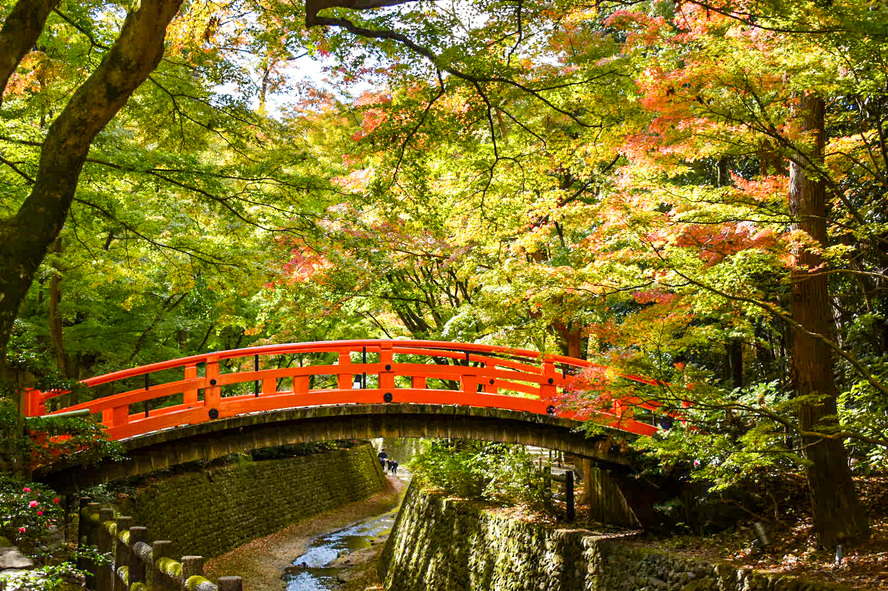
<point x="23" y="530"/>
<point x="39" y="512"/>
<point x="56" y="500"/>
<point x="26" y="489"/>
<point x="32" y="504"/>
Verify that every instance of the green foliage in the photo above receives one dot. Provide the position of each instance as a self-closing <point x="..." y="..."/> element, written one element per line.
<point x="609" y="182"/>
<point x="61" y="577"/>
<point x="44" y="440"/>
<point x="495" y="472"/>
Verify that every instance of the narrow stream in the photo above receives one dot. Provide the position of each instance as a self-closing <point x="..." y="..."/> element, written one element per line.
<point x="314" y="571"/>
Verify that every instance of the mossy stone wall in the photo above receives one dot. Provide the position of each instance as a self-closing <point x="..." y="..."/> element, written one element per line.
<point x="210" y="512"/>
<point x="440" y="544"/>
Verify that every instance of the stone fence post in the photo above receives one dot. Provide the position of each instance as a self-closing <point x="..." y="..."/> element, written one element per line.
<point x="138" y="565"/>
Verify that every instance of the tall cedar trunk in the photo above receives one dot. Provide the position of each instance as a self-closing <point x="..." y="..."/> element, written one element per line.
<point x="838" y="516"/>
<point x="25" y="238"/>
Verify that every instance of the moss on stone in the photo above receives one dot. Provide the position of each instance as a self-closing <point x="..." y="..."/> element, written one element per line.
<point x="442" y="544"/>
<point x="193" y="582"/>
<point x="169" y="567"/>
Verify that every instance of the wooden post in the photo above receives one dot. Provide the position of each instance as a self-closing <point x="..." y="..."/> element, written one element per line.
<point x="213" y="393"/>
<point x="136" y="566"/>
<point x="469" y="381"/>
<point x="192" y="566"/>
<point x="587" y="466"/>
<point x="569" y="494"/>
<point x="547" y="387"/>
<point x="104" y="572"/>
<point x="229" y="584"/>
<point x="269" y="386"/>
<point x="159" y="549"/>
<point x="121" y="553"/>
<point x="86" y="536"/>
<point x="345" y="379"/>
<point x="190" y="396"/>
<point x="386" y="374"/>
<point x="301" y="384"/>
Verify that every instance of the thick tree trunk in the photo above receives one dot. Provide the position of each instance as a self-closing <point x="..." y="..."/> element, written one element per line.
<point x="24" y="239"/>
<point x="19" y="33"/>
<point x="838" y="516"/>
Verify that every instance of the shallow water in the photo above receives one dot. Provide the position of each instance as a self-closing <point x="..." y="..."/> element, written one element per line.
<point x="323" y="550"/>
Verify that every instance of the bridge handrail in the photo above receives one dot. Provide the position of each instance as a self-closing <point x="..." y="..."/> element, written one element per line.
<point x="532" y="375"/>
<point x="332" y="346"/>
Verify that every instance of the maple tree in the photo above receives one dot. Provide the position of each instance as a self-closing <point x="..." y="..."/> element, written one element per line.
<point x="669" y="227"/>
<point x="689" y="190"/>
<point x="727" y="83"/>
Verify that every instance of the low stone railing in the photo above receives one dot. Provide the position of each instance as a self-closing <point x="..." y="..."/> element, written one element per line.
<point x="137" y="565"/>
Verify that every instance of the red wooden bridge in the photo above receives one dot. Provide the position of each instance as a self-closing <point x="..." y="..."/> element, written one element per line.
<point x="205" y="388"/>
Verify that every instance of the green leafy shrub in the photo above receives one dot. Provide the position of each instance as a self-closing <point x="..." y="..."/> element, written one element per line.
<point x="49" y="439"/>
<point x="495" y="472"/>
<point x="61" y="577"/>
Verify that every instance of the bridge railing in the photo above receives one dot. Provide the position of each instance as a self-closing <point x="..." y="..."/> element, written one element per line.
<point x="224" y="384"/>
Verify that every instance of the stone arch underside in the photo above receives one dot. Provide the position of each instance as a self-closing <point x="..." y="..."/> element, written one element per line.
<point x="208" y="441"/>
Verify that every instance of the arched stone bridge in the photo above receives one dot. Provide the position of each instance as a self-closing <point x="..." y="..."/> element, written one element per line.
<point x="207" y="406"/>
<point x="210" y="440"/>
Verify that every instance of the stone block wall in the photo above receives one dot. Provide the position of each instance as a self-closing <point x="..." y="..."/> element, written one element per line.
<point x="210" y="512"/>
<point x="440" y="544"/>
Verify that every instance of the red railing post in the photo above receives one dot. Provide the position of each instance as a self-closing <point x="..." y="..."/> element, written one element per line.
<point x="301" y="384"/>
<point x="213" y="393"/>
<point x="345" y="379"/>
<point x="547" y="387"/>
<point x="488" y="386"/>
<point x="120" y="416"/>
<point x="418" y="382"/>
<point x="269" y="386"/>
<point x="34" y="403"/>
<point x="468" y="379"/>
<point x="190" y="396"/>
<point x="387" y="373"/>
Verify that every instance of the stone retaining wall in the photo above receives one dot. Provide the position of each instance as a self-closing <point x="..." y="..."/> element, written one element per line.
<point x="440" y="544"/>
<point x="213" y="511"/>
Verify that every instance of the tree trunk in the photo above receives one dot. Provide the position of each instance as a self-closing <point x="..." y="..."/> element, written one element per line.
<point x="55" y="317"/>
<point x="25" y="238"/>
<point x="838" y="516"/>
<point x="570" y="338"/>
<point x="19" y="33"/>
<point x="734" y="363"/>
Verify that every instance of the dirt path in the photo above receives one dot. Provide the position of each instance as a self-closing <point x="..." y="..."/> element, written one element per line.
<point x="262" y="561"/>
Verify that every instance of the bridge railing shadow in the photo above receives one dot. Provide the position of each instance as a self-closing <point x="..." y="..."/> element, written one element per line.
<point x="230" y="383"/>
